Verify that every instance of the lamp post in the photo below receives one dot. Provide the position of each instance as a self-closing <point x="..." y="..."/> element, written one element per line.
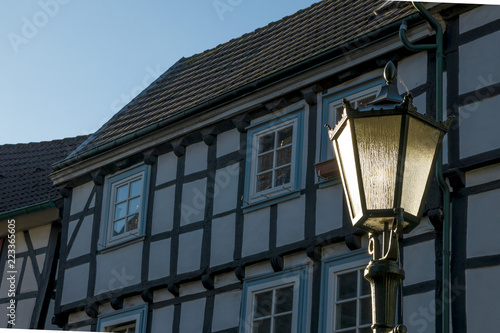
<point x="386" y="154"/>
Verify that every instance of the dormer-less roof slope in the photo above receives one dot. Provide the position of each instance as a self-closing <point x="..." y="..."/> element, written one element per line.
<point x="196" y="80"/>
<point x="25" y="169"/>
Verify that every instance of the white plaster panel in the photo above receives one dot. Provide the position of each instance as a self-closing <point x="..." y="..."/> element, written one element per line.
<point x="4" y="319"/>
<point x="193" y="201"/>
<point x="196" y="158"/>
<point x="5" y="284"/>
<point x="412" y="72"/>
<point x="77" y="276"/>
<point x="20" y="243"/>
<point x="334" y="250"/>
<point x="223" y="235"/>
<point x="483" y="224"/>
<point x="80" y="196"/>
<point x="24" y="312"/>
<point x="189" y="251"/>
<point x="418" y="264"/>
<point x="479" y="127"/>
<point x="162" y="295"/>
<point x="482" y="175"/>
<point x="419" y="313"/>
<point x="225" y="279"/>
<point x="478" y="63"/>
<point x="478" y="17"/>
<point x="191" y="288"/>
<point x="256" y="231"/>
<point x="119" y="268"/>
<point x="420" y="103"/>
<point x="75" y="317"/>
<point x="329" y="202"/>
<point x="228" y="142"/>
<point x="423" y="227"/>
<point x="159" y="259"/>
<point x="29" y="279"/>
<point x="133" y="301"/>
<point x="163" y="212"/>
<point x="258" y="269"/>
<point x="167" y="168"/>
<point x="226" y="188"/>
<point x="192" y="316"/>
<point x="162" y="320"/>
<point x="295" y="259"/>
<point x="482" y="299"/>
<point x="40" y="236"/>
<point x="83" y="238"/>
<point x="290" y="221"/>
<point x="40" y="259"/>
<point x="226" y="310"/>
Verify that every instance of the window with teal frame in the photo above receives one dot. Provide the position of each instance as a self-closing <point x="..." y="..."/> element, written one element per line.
<point x="274" y="159"/>
<point x="275" y="303"/>
<point x="345" y="298"/>
<point x="126" y="205"/>
<point x="357" y="94"/>
<point x="130" y="320"/>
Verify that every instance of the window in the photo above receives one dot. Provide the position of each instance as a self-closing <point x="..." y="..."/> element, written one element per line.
<point x="130" y="320"/>
<point x="346" y="296"/>
<point x="275" y="303"/>
<point x="127" y="194"/>
<point x="274" y="158"/>
<point x="358" y="95"/>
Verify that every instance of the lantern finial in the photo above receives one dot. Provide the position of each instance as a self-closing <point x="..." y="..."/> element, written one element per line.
<point x="390" y="72"/>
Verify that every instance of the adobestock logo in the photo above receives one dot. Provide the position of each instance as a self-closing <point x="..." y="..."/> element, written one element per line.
<point x="31" y="26"/>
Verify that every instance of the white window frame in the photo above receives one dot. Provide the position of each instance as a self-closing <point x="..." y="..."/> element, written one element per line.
<point x="115" y="181"/>
<point x="136" y="314"/>
<point x="296" y="277"/>
<point x="333" y="100"/>
<point x="331" y="269"/>
<point x="294" y="118"/>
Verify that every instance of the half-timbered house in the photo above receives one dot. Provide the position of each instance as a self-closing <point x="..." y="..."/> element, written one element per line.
<point x="30" y="212"/>
<point x="211" y="202"/>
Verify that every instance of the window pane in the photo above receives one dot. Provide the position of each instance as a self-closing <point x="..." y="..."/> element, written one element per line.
<point x="135" y="188"/>
<point x="265" y="162"/>
<point x="266" y="142"/>
<point x="346" y="315"/>
<point x="283" y="300"/>
<point x="264" y="181"/>
<point x="365" y="311"/>
<point x="365" y="330"/>
<point x="120" y="210"/>
<point x="282" y="176"/>
<point x="121" y="193"/>
<point x="346" y="285"/>
<point x="285" y="136"/>
<point x="262" y="326"/>
<point x="132" y="222"/>
<point x="118" y="227"/>
<point x="263" y="304"/>
<point x="283" y="156"/>
<point x="133" y="206"/>
<point x="283" y="324"/>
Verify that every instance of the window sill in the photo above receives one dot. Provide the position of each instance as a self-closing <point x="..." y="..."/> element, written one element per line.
<point x="268" y="202"/>
<point x="327" y="169"/>
<point x="120" y="244"/>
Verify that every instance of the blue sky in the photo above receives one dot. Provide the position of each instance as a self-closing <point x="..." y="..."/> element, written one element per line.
<point x="66" y="66"/>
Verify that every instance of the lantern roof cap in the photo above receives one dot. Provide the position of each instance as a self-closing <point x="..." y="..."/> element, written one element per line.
<point x="388" y="95"/>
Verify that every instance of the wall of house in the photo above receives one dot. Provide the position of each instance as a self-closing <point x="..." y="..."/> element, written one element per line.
<point x="27" y="262"/>
<point x="206" y="241"/>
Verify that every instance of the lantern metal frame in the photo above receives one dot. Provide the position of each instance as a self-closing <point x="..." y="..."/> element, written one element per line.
<point x="405" y="110"/>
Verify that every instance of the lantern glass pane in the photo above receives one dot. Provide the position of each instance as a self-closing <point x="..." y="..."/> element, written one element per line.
<point x="345" y="153"/>
<point x="378" y="148"/>
<point x="421" y="148"/>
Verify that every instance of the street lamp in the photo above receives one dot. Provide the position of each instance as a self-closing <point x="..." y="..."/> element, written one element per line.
<point x="386" y="155"/>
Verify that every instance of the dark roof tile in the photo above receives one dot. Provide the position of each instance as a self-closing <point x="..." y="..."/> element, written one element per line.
<point x="25" y="169"/>
<point x="202" y="77"/>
